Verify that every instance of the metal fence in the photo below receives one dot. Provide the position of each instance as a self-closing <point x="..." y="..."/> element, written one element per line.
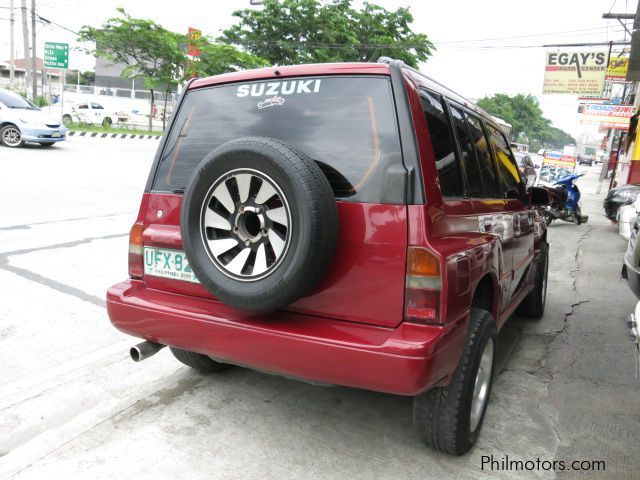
<point x="54" y="88"/>
<point x="119" y="92"/>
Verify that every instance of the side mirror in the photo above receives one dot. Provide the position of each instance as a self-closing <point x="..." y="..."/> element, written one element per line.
<point x="539" y="197"/>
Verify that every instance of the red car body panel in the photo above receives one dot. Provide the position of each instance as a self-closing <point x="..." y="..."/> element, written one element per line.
<point x="369" y="263"/>
<point x="350" y="329"/>
<point x="405" y="360"/>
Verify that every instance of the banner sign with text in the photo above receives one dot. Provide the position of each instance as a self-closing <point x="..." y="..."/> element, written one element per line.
<point x="606" y="116"/>
<point x="579" y="73"/>
<point x="617" y="69"/>
<point x="558" y="159"/>
<point x="193" y="34"/>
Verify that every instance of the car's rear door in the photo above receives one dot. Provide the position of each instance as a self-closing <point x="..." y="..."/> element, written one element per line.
<point x="513" y="189"/>
<point x="483" y="189"/>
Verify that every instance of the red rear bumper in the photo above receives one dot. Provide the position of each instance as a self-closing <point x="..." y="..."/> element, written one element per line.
<point x="405" y="360"/>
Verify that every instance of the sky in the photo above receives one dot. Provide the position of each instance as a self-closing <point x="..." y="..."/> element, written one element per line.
<point x="482" y="47"/>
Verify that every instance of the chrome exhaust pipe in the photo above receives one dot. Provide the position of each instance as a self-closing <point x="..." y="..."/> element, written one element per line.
<point x="144" y="350"/>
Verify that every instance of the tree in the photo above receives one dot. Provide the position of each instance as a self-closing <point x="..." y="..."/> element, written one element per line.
<point x="523" y="112"/>
<point x="149" y="51"/>
<point x="157" y="56"/>
<point x="559" y="138"/>
<point x="315" y="31"/>
<point x="216" y="58"/>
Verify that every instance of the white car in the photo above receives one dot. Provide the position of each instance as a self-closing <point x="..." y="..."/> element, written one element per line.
<point x="93" y="113"/>
<point x="626" y="217"/>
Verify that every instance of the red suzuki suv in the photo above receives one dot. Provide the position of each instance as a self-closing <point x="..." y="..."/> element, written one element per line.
<point x="355" y="224"/>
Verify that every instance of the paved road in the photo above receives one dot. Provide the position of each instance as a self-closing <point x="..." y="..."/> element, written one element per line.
<point x="73" y="406"/>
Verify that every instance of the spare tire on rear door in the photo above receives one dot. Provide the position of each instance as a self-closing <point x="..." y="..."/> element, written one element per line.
<point x="259" y="223"/>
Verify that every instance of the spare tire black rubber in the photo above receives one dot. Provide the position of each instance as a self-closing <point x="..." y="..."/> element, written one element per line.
<point x="259" y="223"/>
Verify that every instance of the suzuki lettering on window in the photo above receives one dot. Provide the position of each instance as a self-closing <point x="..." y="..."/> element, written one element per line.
<point x="287" y="87"/>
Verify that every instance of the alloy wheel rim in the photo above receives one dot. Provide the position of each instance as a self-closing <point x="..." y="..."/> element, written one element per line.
<point x="245" y="224"/>
<point x="481" y="386"/>
<point x="11" y="137"/>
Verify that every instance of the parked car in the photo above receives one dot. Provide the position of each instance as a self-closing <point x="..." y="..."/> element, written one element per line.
<point x="619" y="196"/>
<point x="631" y="263"/>
<point x="358" y="232"/>
<point x="22" y="121"/>
<point x="527" y="168"/>
<point x="631" y="272"/>
<point x="626" y="217"/>
<point x="93" y="113"/>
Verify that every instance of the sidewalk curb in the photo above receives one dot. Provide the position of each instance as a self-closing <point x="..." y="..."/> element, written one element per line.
<point x="76" y="133"/>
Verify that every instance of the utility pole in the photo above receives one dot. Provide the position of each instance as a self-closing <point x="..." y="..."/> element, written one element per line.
<point x="34" y="66"/>
<point x="25" y="41"/>
<point x="12" y="58"/>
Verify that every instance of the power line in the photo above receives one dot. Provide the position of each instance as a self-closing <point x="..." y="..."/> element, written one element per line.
<point x="461" y="44"/>
<point x="43" y="20"/>
<point x="397" y="46"/>
<point x="57" y="24"/>
<point x="564" y="32"/>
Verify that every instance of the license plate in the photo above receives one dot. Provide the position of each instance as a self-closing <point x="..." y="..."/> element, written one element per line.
<point x="162" y="262"/>
<point x="56" y="135"/>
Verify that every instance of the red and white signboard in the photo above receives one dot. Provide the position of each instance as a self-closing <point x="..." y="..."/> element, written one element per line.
<point x="606" y="116"/>
<point x="559" y="159"/>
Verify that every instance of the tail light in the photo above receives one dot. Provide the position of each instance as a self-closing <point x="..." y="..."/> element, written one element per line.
<point x="136" y="265"/>
<point x="423" y="286"/>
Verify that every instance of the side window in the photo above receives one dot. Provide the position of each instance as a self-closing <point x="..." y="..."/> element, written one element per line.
<point x="83" y="106"/>
<point x="483" y="153"/>
<point x="471" y="167"/>
<point x="97" y="106"/>
<point x="507" y="166"/>
<point x="443" y="145"/>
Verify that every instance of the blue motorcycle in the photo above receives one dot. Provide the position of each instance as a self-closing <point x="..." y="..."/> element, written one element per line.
<point x="565" y="201"/>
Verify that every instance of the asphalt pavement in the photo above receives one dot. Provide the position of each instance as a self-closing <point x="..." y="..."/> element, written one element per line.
<point x="73" y="406"/>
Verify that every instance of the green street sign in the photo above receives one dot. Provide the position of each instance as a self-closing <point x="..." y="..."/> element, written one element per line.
<point x="56" y="55"/>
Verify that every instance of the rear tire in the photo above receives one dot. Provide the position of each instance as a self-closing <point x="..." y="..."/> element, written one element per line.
<point x="107" y="122"/>
<point x="200" y="362"/>
<point x="449" y="419"/>
<point x="533" y="304"/>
